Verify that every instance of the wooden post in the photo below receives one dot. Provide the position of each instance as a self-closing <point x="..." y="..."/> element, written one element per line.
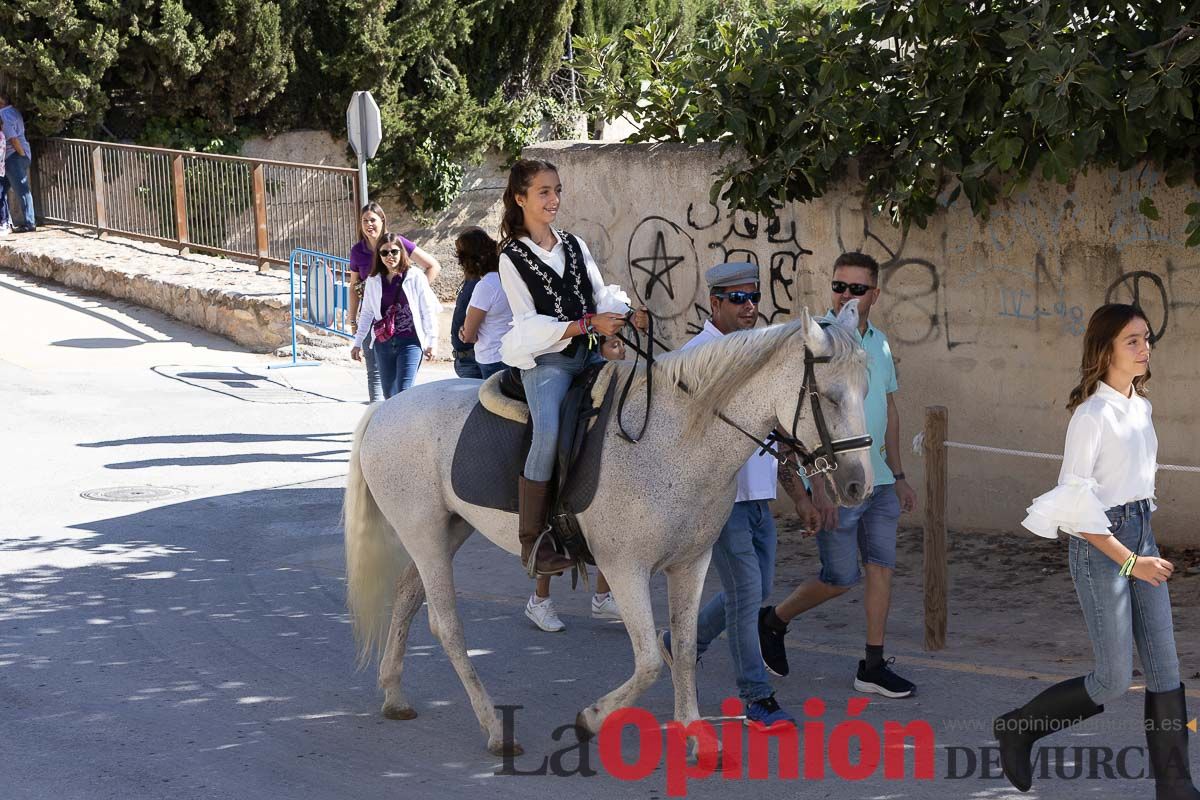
<point x="98" y="186"/>
<point x="181" y="223"/>
<point x="936" y="583"/>
<point x="260" y="218"/>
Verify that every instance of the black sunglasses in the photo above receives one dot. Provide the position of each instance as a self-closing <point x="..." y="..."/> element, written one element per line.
<point x="738" y="298"/>
<point x="856" y="289"/>
<point x="386" y="253"/>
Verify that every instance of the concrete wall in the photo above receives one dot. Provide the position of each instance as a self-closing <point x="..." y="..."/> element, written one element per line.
<point x="985" y="317"/>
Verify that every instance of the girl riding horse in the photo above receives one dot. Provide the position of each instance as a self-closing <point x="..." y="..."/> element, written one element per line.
<point x="559" y="304"/>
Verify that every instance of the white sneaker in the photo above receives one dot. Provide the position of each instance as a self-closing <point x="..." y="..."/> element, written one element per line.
<point x="542" y="614"/>
<point x="605" y="607"/>
<point x="5" y="230"/>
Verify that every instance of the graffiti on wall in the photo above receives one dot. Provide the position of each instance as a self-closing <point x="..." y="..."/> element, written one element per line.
<point x="667" y="260"/>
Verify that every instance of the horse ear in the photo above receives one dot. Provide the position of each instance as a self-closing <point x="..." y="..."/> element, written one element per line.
<point x="814" y="335"/>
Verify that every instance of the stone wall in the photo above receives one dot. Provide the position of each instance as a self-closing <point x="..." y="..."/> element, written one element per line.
<point x="985" y="317"/>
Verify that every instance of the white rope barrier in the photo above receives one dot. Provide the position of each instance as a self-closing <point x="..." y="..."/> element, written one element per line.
<point x="919" y="443"/>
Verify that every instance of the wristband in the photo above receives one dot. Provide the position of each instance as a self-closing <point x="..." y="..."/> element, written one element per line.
<point x="1127" y="567"/>
<point x="898" y="476"/>
<point x="585" y="324"/>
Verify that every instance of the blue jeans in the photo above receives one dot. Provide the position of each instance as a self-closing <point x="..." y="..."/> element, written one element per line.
<point x="5" y="217"/>
<point x="867" y="530"/>
<point x="1121" y="612"/>
<point x="545" y="387"/>
<point x="745" y="558"/>
<point x="465" y="365"/>
<point x="488" y="370"/>
<point x="17" y="173"/>
<point x="398" y="359"/>
<point x="374" y="384"/>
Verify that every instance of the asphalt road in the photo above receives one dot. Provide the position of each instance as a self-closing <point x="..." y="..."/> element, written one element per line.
<point x="186" y="637"/>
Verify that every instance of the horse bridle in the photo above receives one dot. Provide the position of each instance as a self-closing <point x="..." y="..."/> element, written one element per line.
<point x="815" y="462"/>
<point x="823" y="459"/>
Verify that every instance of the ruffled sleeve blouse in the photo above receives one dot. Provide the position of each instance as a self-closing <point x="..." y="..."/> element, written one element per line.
<point x="1110" y="458"/>
<point x="534" y="334"/>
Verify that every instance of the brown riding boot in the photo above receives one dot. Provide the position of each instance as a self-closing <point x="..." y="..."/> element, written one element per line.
<point x="531" y="497"/>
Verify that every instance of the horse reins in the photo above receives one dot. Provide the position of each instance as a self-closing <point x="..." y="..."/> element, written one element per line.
<point x="812" y="462"/>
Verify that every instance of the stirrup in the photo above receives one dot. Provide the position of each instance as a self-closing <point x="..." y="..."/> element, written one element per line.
<point x="531" y="567"/>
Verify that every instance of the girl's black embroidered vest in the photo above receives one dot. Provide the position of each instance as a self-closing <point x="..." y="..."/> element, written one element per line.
<point x="565" y="298"/>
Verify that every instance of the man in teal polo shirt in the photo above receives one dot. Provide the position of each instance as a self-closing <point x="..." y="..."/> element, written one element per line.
<point x="868" y="530"/>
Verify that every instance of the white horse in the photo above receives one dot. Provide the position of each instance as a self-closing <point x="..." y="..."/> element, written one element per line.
<point x="659" y="506"/>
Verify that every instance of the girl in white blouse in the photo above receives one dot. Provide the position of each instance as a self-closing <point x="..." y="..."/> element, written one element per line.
<point x="1104" y="499"/>
<point x="559" y="304"/>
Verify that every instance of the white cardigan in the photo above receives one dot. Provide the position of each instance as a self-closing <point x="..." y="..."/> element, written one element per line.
<point x="421" y="301"/>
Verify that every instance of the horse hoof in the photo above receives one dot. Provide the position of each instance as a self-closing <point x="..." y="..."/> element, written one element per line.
<point x="399" y="712"/>
<point x="583" y="730"/>
<point x="506" y="749"/>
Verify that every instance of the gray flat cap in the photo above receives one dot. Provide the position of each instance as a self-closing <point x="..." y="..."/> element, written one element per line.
<point x="731" y="274"/>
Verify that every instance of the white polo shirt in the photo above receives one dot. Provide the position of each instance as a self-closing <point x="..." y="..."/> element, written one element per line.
<point x="756" y="480"/>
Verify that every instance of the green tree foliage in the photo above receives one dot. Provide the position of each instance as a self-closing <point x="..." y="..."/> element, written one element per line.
<point x="449" y="75"/>
<point x="928" y="99"/>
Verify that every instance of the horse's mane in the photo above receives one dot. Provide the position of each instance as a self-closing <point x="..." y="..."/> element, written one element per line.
<point x="714" y="371"/>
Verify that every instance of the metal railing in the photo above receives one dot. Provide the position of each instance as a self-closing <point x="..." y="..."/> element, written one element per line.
<point x="241" y="207"/>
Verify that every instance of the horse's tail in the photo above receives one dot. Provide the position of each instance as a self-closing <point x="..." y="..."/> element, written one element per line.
<point x="375" y="557"/>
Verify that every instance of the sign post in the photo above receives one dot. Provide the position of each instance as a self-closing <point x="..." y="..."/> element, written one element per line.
<point x="364" y="128"/>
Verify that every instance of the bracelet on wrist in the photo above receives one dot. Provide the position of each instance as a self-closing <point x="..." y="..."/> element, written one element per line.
<point x="898" y="476"/>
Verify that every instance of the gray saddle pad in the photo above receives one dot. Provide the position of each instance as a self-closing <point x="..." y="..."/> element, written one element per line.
<point x="490" y="456"/>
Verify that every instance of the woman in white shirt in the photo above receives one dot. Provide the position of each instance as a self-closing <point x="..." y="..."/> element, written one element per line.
<point x="1104" y="500"/>
<point x="559" y="303"/>
<point x="399" y="312"/>
<point x="488" y="315"/>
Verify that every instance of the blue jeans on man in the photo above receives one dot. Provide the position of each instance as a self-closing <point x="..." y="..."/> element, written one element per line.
<point x="744" y="556"/>
<point x="16" y="168"/>
<point x="867" y="531"/>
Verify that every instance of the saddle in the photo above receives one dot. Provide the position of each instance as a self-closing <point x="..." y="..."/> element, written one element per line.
<point x="491" y="450"/>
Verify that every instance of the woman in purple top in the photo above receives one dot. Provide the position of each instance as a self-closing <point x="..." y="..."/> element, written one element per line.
<point x="372" y="224"/>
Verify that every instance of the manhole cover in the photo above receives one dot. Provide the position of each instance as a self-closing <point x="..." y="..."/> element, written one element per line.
<point x="134" y="494"/>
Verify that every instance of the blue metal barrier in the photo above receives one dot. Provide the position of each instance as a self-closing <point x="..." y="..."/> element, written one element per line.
<point x="319" y="291"/>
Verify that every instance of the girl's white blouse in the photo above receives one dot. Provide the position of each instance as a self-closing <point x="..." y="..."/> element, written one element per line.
<point x="533" y="334"/>
<point x="1110" y="458"/>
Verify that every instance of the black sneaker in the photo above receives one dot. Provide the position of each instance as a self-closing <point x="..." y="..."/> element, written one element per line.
<point x="882" y="680"/>
<point x="770" y="643"/>
<point x="24" y="229"/>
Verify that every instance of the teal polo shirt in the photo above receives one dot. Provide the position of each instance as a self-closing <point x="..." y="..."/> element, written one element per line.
<point x="881" y="381"/>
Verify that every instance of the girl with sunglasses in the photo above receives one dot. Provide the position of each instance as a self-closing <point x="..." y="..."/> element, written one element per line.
<point x="372" y="222"/>
<point x="559" y="301"/>
<point x="1104" y="500"/>
<point x="398" y="315"/>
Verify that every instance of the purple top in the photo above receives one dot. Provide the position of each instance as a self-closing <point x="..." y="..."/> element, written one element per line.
<point x="362" y="257"/>
<point x="393" y="294"/>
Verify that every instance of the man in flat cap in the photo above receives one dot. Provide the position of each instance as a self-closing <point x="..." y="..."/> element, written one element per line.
<point x="744" y="554"/>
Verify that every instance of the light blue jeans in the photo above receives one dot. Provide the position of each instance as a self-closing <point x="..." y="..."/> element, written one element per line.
<point x="17" y="171"/>
<point x="1123" y="612"/>
<point x="745" y="559"/>
<point x="545" y="387"/>
<point x="374" y="382"/>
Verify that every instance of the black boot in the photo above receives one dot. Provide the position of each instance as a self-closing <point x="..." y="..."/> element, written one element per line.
<point x="1167" y="741"/>
<point x="1058" y="708"/>
<point x="533" y="500"/>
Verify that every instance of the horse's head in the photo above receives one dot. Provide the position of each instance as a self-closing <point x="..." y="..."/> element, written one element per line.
<point x="823" y="404"/>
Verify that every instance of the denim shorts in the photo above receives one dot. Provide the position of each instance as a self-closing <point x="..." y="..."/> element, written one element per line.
<point x="867" y="530"/>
